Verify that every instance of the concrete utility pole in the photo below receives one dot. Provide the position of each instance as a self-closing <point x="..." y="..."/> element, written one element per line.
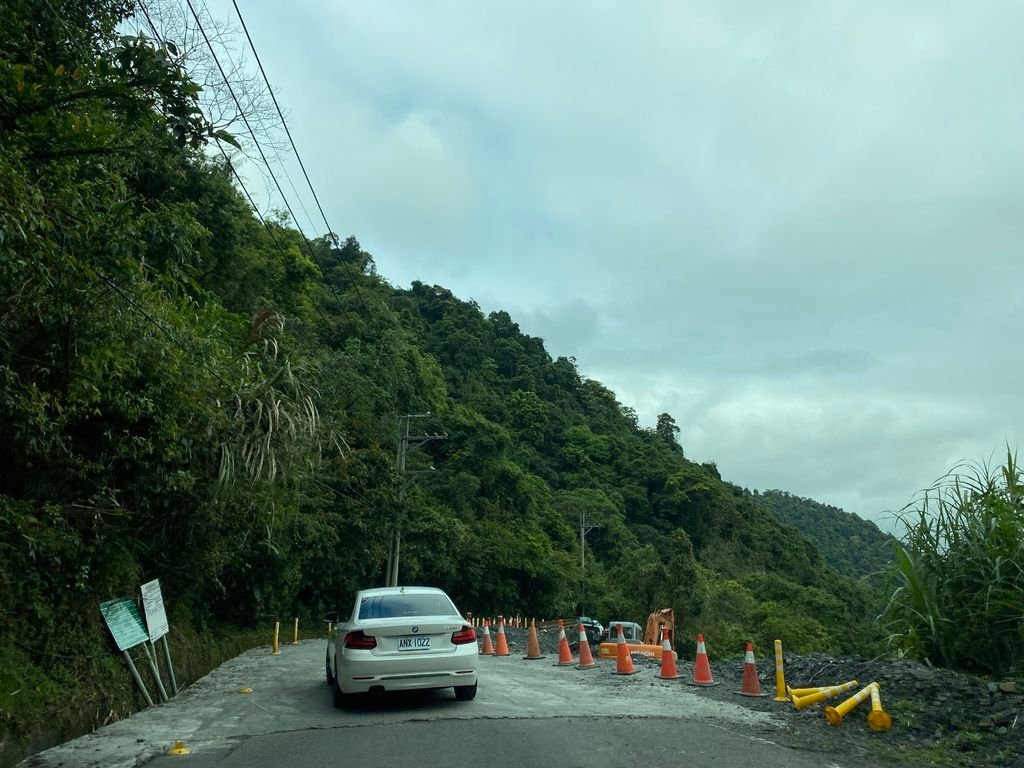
<point x="405" y="479"/>
<point x="585" y="528"/>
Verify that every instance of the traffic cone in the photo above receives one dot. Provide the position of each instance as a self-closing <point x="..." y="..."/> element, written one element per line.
<point x="835" y="715"/>
<point x="702" y="667"/>
<point x="488" y="649"/>
<point x="668" y="658"/>
<point x="501" y="646"/>
<point x="532" y="645"/>
<point x="751" y="685"/>
<point x="878" y="718"/>
<point x="623" y="661"/>
<point x="802" y="702"/>
<point x="586" y="658"/>
<point x="564" y="654"/>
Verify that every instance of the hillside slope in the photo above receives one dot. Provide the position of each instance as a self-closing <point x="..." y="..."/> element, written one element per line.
<point x="848" y="543"/>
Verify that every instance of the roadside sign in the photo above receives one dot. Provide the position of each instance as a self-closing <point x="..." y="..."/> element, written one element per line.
<point x="124" y="622"/>
<point x="153" y="605"/>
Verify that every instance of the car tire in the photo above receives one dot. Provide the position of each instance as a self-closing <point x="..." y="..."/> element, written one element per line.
<point x="465" y="692"/>
<point x="330" y="674"/>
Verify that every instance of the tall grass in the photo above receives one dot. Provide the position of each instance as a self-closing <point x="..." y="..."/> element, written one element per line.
<point x="959" y="599"/>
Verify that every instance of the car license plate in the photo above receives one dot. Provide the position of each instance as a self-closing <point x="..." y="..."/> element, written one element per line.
<point x="413" y="643"/>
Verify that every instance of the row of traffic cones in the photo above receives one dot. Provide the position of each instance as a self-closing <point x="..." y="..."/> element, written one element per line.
<point x="750" y="685"/>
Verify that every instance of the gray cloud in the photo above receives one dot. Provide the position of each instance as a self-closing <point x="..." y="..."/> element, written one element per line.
<point x="797" y="226"/>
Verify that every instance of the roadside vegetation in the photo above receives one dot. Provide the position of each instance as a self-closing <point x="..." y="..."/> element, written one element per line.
<point x="192" y="394"/>
<point x="959" y="600"/>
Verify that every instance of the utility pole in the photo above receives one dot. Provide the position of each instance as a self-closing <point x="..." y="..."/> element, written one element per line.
<point x="405" y="479"/>
<point x="585" y="528"/>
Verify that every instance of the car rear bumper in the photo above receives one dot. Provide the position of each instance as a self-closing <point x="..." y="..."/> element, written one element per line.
<point x="405" y="674"/>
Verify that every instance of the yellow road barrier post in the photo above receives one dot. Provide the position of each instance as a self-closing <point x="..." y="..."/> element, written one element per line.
<point x="878" y="718"/>
<point x="295" y="634"/>
<point x="801" y="702"/>
<point x="780" y="677"/>
<point x="277" y="633"/>
<point x="835" y="715"/>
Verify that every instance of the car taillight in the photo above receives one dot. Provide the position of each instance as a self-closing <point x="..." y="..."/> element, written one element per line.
<point x="463" y="636"/>
<point x="360" y="641"/>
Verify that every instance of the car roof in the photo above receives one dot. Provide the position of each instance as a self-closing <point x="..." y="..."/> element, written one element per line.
<point x="401" y="591"/>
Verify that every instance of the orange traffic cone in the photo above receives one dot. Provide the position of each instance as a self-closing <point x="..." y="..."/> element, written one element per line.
<point x="586" y="658"/>
<point x="702" y="667"/>
<point x="751" y="685"/>
<point x="487" y="649"/>
<point x="532" y="645"/>
<point x="501" y="645"/>
<point x="623" y="661"/>
<point x="565" y="658"/>
<point x="668" y="658"/>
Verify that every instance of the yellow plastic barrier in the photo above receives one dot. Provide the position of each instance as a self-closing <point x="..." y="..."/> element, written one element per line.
<point x="802" y="702"/>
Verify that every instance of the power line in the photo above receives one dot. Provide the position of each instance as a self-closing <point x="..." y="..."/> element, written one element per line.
<point x="295" y="149"/>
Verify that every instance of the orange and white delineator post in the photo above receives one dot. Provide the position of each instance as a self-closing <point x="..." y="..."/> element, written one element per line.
<point x="668" y="658"/>
<point x="835" y="715"/>
<point x="878" y="718"/>
<point x="623" y="661"/>
<point x="802" y="702"/>
<point x="586" y="658"/>
<point x="501" y="645"/>
<point x="487" y="649"/>
<point x="780" y="676"/>
<point x="565" y="658"/>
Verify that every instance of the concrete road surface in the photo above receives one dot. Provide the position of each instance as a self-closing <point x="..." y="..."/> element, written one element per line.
<point x="525" y="713"/>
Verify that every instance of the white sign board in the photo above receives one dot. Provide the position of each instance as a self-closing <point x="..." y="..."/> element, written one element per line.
<point x="153" y="605"/>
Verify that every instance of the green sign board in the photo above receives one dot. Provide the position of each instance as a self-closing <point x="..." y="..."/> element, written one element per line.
<point x="125" y="623"/>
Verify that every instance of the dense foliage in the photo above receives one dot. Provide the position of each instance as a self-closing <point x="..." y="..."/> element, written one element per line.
<point x="848" y="543"/>
<point x="188" y="394"/>
<point x="960" y="571"/>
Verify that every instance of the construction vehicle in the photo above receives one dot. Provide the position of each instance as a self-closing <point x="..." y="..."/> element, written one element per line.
<point x="663" y="618"/>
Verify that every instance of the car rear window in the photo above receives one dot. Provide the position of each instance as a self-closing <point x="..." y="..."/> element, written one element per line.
<point x="395" y="606"/>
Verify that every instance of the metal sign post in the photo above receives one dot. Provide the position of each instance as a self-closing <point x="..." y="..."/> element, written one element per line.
<point x="125" y="625"/>
<point x="156" y="620"/>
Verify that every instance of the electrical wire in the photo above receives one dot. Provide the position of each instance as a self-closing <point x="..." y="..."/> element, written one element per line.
<point x="295" y="149"/>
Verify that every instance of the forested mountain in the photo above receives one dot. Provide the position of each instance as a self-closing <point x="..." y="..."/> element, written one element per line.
<point x="848" y="543"/>
<point x="192" y="394"/>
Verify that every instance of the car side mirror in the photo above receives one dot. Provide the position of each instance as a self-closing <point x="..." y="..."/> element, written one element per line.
<point x="332" y="618"/>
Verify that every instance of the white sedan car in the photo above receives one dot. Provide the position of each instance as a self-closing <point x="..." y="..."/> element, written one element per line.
<point x="399" y="639"/>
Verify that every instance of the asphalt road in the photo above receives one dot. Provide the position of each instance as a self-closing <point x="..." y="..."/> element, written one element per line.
<point x="524" y="713"/>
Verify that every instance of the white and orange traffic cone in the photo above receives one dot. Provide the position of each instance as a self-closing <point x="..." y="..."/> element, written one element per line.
<point x="586" y="657"/>
<point x="623" y="661"/>
<point x="487" y="649"/>
<point x="668" y="658"/>
<point x="751" y="684"/>
<point x="501" y="645"/>
<point x="701" y="666"/>
<point x="564" y="653"/>
<point x="532" y="645"/>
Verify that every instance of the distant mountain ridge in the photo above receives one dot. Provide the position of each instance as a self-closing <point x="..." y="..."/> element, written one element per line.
<point x="850" y="544"/>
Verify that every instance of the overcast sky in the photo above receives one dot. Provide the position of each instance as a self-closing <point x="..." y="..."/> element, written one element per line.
<point x="796" y="227"/>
